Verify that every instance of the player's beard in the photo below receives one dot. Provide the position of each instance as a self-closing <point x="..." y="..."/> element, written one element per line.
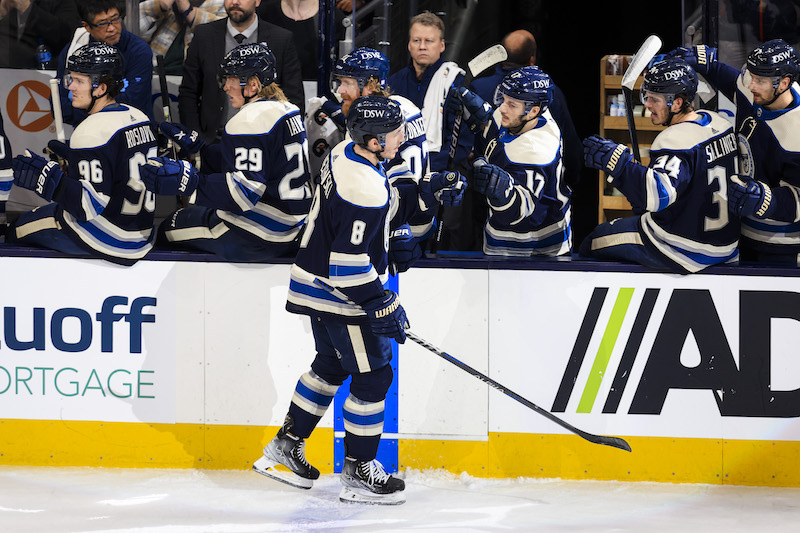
<point x="346" y="106"/>
<point x="239" y="15"/>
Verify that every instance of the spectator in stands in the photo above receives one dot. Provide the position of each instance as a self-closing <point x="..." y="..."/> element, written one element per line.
<point x="168" y="26"/>
<point x="521" y="47"/>
<point x="202" y="104"/>
<point x="102" y="21"/>
<point x="301" y="17"/>
<point x="26" y="23"/>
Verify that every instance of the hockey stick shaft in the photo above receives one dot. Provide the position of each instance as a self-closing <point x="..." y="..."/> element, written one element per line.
<point x="639" y="62"/>
<point x="165" y="104"/>
<point x="628" y="95"/>
<point x="57" y="115"/>
<point x="488" y="58"/>
<point x="614" y="442"/>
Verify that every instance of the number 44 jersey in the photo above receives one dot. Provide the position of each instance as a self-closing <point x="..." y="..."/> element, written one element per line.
<point x="103" y="203"/>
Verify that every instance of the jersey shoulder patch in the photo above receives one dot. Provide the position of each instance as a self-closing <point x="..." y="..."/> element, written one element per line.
<point x="539" y="146"/>
<point x="98" y="128"/>
<point x="357" y="181"/>
<point x="259" y="117"/>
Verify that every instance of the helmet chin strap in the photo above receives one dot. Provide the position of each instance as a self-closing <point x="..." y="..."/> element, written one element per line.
<point x="776" y="95"/>
<point x="95" y="99"/>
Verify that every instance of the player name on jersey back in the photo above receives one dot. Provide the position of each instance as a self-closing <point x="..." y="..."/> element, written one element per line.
<point x="140" y="135"/>
<point x="415" y="128"/>
<point x="721" y="147"/>
<point x="295" y="124"/>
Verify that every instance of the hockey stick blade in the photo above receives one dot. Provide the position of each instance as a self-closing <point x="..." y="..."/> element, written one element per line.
<point x="646" y="52"/>
<point x="488" y="58"/>
<point x="614" y="442"/>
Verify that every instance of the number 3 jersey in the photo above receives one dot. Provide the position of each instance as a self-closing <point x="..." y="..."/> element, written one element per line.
<point x="102" y="202"/>
<point x="683" y="192"/>
<point x="262" y="187"/>
<point x="536" y="221"/>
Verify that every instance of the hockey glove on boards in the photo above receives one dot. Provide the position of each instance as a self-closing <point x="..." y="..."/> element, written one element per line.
<point x="404" y="249"/>
<point x="187" y="139"/>
<point x="387" y="318"/>
<point x="168" y="177"/>
<point x="605" y="155"/>
<point x="37" y="174"/>
<point x="750" y="198"/>
<point x="446" y="188"/>
<point x="477" y="111"/>
<point x="492" y="181"/>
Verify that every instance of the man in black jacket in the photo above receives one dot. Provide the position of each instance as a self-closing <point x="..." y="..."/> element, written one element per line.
<point x="202" y="104"/>
<point x="24" y="23"/>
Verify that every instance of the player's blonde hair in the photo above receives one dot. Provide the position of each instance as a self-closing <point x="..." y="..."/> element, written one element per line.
<point x="271" y="92"/>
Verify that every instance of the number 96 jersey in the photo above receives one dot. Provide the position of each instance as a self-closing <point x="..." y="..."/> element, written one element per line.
<point x="103" y="204"/>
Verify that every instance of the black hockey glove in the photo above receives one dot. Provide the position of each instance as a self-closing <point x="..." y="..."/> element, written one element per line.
<point x="168" y="177"/>
<point x="700" y="58"/>
<point x="334" y="112"/>
<point x="605" y="155"/>
<point x="187" y="139"/>
<point x="446" y="188"/>
<point x="37" y="174"/>
<point x="492" y="181"/>
<point x="404" y="249"/>
<point x="387" y="318"/>
<point x="750" y="198"/>
<point x="477" y="112"/>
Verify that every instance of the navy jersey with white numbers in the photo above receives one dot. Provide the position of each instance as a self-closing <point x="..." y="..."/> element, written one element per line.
<point x="536" y="221"/>
<point x="6" y="174"/>
<point x="102" y="201"/>
<point x="683" y="192"/>
<point x="775" y="145"/>
<point x="265" y="188"/>
<point x="345" y="242"/>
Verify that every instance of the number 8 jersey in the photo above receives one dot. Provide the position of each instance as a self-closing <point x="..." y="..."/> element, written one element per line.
<point x="103" y="204"/>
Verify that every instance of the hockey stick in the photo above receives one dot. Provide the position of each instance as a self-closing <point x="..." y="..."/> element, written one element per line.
<point x="59" y="118"/>
<point x="614" y="442"/>
<point x="647" y="51"/>
<point x="488" y="58"/>
<point x="162" y="79"/>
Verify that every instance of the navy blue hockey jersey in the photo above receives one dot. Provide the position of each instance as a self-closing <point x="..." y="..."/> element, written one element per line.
<point x="102" y="202"/>
<point x="683" y="192"/>
<point x="775" y="145"/>
<point x="346" y="240"/>
<point x="265" y="190"/>
<point x="536" y="220"/>
<point x="6" y="174"/>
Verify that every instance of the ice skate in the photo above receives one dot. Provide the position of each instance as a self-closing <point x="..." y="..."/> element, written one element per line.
<point x="284" y="460"/>
<point x="366" y="482"/>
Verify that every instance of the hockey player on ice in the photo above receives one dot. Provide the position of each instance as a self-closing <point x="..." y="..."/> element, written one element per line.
<point x="99" y="206"/>
<point x="337" y="280"/>
<point x="253" y="195"/>
<point x="767" y="98"/>
<point x="683" y="224"/>
<point x="519" y="168"/>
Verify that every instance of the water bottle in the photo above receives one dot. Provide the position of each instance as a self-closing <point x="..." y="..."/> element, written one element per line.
<point x="43" y="56"/>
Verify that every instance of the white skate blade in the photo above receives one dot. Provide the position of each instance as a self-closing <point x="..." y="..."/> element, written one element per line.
<point x="278" y="472"/>
<point x="354" y="495"/>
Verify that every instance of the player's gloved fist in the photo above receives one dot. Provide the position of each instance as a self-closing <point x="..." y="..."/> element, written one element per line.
<point x="37" y="174"/>
<point x="387" y="318"/>
<point x="404" y="249"/>
<point x="334" y="112"/>
<point x="59" y="149"/>
<point x="605" y="155"/>
<point x="492" y="181"/>
<point x="166" y="176"/>
<point x="477" y="111"/>
<point x="698" y="57"/>
<point x="188" y="140"/>
<point x="750" y="198"/>
<point x="447" y="188"/>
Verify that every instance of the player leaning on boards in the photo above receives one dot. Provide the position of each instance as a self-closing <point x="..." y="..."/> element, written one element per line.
<point x="337" y="280"/>
<point x="519" y="169"/>
<point x="682" y="223"/>
<point x="363" y="72"/>
<point x="99" y="206"/>
<point x="253" y="195"/>
<point x="767" y="99"/>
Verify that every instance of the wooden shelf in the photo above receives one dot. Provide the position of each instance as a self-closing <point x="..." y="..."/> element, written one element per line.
<point x="619" y="203"/>
<point x="621" y="123"/>
<point x="615" y="82"/>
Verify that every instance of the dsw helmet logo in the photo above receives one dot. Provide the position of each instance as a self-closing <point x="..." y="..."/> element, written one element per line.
<point x="28" y="106"/>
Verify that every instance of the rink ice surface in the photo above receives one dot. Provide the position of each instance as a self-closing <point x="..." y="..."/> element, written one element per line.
<point x="55" y="500"/>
